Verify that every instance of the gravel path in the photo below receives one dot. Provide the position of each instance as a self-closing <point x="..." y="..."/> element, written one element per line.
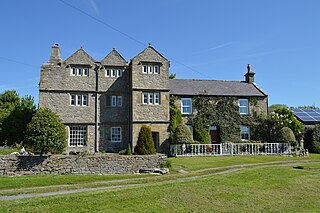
<point x="229" y="169"/>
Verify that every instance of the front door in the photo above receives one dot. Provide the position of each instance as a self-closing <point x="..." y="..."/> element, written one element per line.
<point x="155" y="136"/>
<point x="214" y="134"/>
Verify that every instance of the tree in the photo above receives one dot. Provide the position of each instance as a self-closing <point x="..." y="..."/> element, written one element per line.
<point x="284" y="117"/>
<point x="45" y="133"/>
<point x="285" y="135"/>
<point x="182" y="134"/>
<point x="175" y="118"/>
<point x="172" y="76"/>
<point x="145" y="144"/>
<point x="275" y="106"/>
<point x="15" y="114"/>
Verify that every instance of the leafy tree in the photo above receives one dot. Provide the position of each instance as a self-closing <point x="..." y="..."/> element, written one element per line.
<point x="145" y="144"/>
<point x="285" y="135"/>
<point x="175" y="118"/>
<point x="15" y="114"/>
<point x="284" y="117"/>
<point x="312" y="139"/>
<point x="45" y="132"/>
<point x="182" y="134"/>
<point x="172" y="76"/>
<point x="274" y="106"/>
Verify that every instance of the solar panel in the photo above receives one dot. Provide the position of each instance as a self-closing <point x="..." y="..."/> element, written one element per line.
<point x="307" y="115"/>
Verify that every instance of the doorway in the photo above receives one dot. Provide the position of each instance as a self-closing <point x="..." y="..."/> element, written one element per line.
<point x="215" y="134"/>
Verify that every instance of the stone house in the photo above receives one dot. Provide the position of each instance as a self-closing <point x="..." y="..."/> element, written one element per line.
<point x="104" y="103"/>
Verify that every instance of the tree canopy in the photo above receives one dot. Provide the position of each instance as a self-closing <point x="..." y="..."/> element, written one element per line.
<point x="45" y="132"/>
<point x="15" y="113"/>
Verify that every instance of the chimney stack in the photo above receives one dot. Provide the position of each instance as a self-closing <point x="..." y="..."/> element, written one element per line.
<point x="55" y="53"/>
<point x="249" y="75"/>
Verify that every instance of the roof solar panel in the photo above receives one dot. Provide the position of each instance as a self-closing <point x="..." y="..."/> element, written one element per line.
<point x="307" y="115"/>
<point x="307" y="118"/>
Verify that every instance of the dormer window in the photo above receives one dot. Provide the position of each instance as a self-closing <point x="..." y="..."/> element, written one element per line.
<point x="113" y="72"/>
<point x="150" y="69"/>
<point x="79" y="71"/>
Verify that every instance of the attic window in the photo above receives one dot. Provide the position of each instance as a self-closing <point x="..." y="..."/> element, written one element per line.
<point x="150" y="69"/>
<point x="113" y="72"/>
<point x="79" y="71"/>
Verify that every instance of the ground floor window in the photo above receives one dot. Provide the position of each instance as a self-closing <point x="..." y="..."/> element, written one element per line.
<point x="78" y="136"/>
<point x="116" y="134"/>
<point x="245" y="133"/>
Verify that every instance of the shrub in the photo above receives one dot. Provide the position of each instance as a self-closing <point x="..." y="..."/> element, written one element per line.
<point x="312" y="139"/>
<point x="285" y="135"/>
<point x="175" y="118"/>
<point x="182" y="134"/>
<point x="145" y="144"/>
<point x="128" y="150"/>
<point x="45" y="133"/>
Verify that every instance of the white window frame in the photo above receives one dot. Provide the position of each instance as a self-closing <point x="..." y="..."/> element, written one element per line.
<point x="156" y="97"/>
<point x="78" y="100"/>
<point x="156" y="69"/>
<point x="119" y="101"/>
<point x="108" y="72"/>
<point x="116" y="135"/>
<point x="145" y="69"/>
<point x="78" y="136"/>
<point x="150" y="69"/>
<point x="186" y="106"/>
<point x="245" y="130"/>
<point x="145" y="98"/>
<point x="246" y="106"/>
<point x="119" y="72"/>
<point x="79" y="71"/>
<point x="113" y="72"/>
<point x="151" y="98"/>
<point x="85" y="71"/>
<point x="73" y="71"/>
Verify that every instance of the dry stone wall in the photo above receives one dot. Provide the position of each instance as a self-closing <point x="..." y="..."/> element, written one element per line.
<point x="76" y="164"/>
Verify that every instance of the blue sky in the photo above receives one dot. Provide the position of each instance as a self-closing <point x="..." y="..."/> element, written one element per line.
<point x="205" y="39"/>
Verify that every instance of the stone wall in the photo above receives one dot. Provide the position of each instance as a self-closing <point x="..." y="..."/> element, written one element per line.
<point x="76" y="164"/>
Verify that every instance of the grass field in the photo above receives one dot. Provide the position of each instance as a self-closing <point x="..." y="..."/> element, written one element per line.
<point x="259" y="188"/>
<point x="6" y="151"/>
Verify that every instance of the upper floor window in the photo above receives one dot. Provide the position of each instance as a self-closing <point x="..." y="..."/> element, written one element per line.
<point x="150" y="69"/>
<point x="114" y="101"/>
<point x="116" y="134"/>
<point x="79" y="71"/>
<point x="78" y="136"/>
<point x="244" y="106"/>
<point x="151" y="98"/>
<point x="78" y="100"/>
<point x="113" y="72"/>
<point x="186" y="106"/>
<point x="245" y="133"/>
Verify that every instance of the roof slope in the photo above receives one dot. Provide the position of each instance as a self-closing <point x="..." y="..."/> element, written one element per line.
<point x="80" y="57"/>
<point x="114" y="59"/>
<point x="214" y="88"/>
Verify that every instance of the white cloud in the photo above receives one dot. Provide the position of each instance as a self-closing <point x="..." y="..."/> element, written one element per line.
<point x="94" y="6"/>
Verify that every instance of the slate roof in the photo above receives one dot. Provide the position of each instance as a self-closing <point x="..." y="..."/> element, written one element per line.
<point x="114" y="59"/>
<point x="214" y="88"/>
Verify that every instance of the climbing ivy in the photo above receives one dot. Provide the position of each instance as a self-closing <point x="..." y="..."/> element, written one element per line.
<point x="222" y="112"/>
<point x="175" y="117"/>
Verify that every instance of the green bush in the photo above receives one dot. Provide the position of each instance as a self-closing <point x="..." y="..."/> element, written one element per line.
<point x="45" y="133"/>
<point x="182" y="134"/>
<point x="128" y="150"/>
<point x="175" y="118"/>
<point x="312" y="139"/>
<point x="285" y="135"/>
<point x="145" y="144"/>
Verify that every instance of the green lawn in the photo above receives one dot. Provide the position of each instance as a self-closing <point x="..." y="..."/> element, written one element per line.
<point x="6" y="151"/>
<point x="270" y="188"/>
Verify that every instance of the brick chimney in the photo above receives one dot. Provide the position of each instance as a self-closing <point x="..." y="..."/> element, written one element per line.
<point x="249" y="75"/>
<point x="55" y="53"/>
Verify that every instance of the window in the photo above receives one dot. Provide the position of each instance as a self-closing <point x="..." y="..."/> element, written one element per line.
<point x="156" y="98"/>
<point x="113" y="101"/>
<point x="186" y="106"/>
<point x="107" y="72"/>
<point x="119" y="72"/>
<point x="78" y="136"/>
<point x="78" y="100"/>
<point x="113" y="73"/>
<point x="245" y="133"/>
<point x="79" y="71"/>
<point x="151" y="98"/>
<point x="150" y="69"/>
<point x="191" y="129"/>
<point x="244" y="106"/>
<point x="156" y="69"/>
<point x="116" y="134"/>
<point x="120" y="101"/>
<point x="85" y="72"/>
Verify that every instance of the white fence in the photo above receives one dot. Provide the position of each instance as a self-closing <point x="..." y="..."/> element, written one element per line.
<point x="230" y="149"/>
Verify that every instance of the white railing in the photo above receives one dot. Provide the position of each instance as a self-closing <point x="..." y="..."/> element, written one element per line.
<point x="230" y="149"/>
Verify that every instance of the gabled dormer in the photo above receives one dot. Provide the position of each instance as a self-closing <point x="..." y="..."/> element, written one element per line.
<point x="114" y="64"/>
<point x="149" y="70"/>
